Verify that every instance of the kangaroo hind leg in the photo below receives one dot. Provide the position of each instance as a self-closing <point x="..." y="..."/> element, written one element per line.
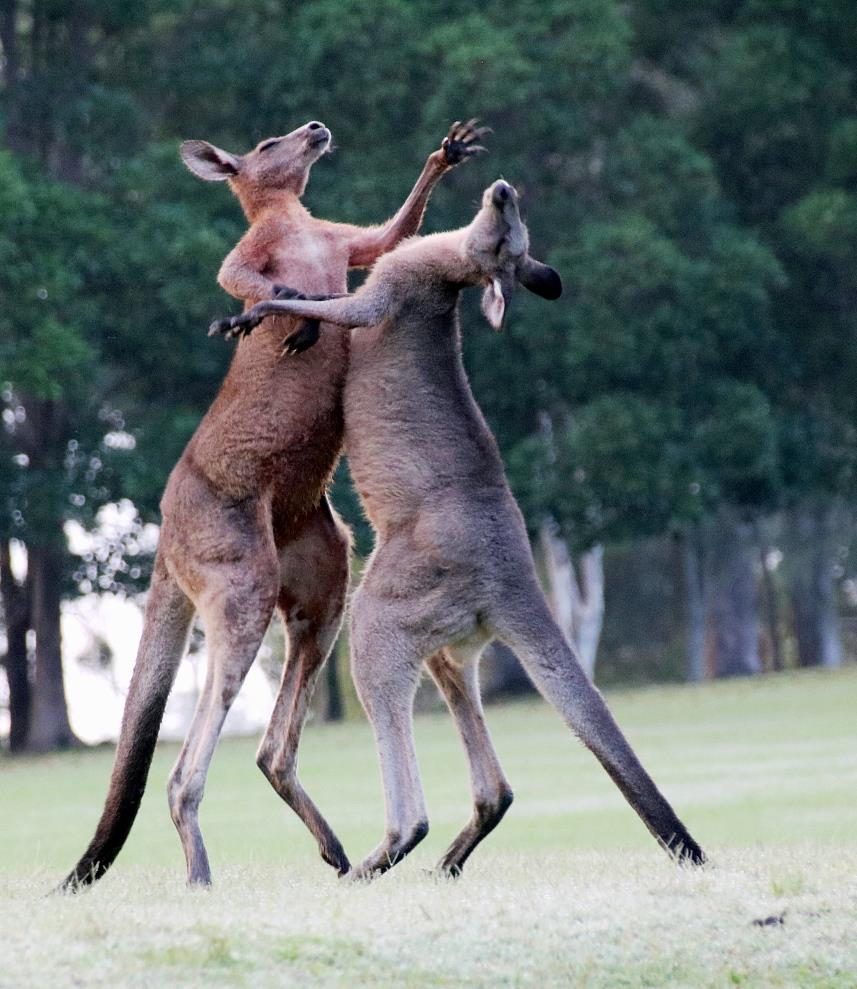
<point x="386" y="668"/>
<point x="235" y="617"/>
<point x="456" y="673"/>
<point x="528" y="628"/>
<point x="314" y="574"/>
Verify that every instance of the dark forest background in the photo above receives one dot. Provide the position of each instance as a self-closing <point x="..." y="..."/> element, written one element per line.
<point x="681" y="429"/>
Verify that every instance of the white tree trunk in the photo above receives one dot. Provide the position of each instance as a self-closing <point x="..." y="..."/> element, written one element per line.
<point x="733" y="607"/>
<point x="577" y="604"/>
<point x="814" y="529"/>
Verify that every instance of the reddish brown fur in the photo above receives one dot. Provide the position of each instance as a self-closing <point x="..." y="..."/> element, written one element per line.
<point x="246" y="524"/>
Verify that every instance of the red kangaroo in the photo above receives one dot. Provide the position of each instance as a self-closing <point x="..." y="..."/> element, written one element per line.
<point x="247" y="526"/>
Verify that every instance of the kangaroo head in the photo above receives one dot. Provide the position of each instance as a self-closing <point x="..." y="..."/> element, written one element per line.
<point x="277" y="163"/>
<point x="497" y="244"/>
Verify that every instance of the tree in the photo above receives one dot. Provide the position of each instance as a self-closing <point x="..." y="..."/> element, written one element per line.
<point x="79" y="266"/>
<point x="688" y="168"/>
<point x="777" y="117"/>
<point x="577" y="599"/>
<point x="16" y="604"/>
<point x="660" y="420"/>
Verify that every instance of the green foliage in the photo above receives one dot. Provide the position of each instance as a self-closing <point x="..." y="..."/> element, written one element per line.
<point x="94" y="285"/>
<point x="42" y="345"/>
<point x="737" y="443"/>
<point x="614" y="470"/>
<point x="689" y="169"/>
<point x="778" y="120"/>
<point x="824" y="224"/>
<point x="772" y="94"/>
<point x="842" y="157"/>
<point x="651" y="166"/>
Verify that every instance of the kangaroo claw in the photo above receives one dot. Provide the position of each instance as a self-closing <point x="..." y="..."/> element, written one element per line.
<point x="462" y="140"/>
<point x="234" y="326"/>
<point x="284" y="292"/>
<point x="304" y="337"/>
<point x="220" y="326"/>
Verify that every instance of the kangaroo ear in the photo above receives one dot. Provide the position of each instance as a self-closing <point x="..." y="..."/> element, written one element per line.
<point x="208" y="162"/>
<point x="494" y="302"/>
<point x="539" y="278"/>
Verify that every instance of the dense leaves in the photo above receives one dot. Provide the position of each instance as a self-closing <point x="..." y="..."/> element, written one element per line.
<point x="690" y="170"/>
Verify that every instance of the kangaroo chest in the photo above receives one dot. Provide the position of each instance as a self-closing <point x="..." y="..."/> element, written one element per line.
<point x="309" y="259"/>
<point x="413" y="430"/>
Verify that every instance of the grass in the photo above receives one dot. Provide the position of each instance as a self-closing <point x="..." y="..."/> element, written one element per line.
<point x="570" y="890"/>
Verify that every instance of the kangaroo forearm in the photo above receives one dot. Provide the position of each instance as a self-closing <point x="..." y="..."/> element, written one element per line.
<point x="370" y="244"/>
<point x="326" y="298"/>
<point x="409" y="217"/>
<point x="342" y="310"/>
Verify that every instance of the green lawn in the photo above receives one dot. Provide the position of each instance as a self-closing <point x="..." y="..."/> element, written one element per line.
<point x="570" y="889"/>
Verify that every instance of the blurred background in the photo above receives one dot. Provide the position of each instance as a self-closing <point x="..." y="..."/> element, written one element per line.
<point x="680" y="429"/>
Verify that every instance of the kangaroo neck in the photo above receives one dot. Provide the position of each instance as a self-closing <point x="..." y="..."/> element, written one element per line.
<point x="414" y="433"/>
<point x="408" y="378"/>
<point x="257" y="202"/>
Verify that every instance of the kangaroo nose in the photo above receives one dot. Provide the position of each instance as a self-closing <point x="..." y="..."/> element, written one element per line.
<point x="315" y="125"/>
<point x="502" y="194"/>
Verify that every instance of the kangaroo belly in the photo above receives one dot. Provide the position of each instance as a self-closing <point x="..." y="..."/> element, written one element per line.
<point x="282" y="431"/>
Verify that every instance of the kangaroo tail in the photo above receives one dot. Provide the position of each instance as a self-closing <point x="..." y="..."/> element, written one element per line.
<point x="168" y="617"/>
<point x="533" y="635"/>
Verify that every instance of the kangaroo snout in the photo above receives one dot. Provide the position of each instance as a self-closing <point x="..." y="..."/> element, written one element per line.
<point x="317" y="133"/>
<point x="502" y="193"/>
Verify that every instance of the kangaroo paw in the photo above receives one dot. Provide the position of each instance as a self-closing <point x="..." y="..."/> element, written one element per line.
<point x="284" y="292"/>
<point x="462" y="141"/>
<point x="304" y="337"/>
<point x="235" y="326"/>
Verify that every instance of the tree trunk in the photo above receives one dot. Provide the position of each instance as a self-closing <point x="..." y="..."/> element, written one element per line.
<point x="11" y="71"/>
<point x="733" y="617"/>
<point x="693" y="571"/>
<point x="813" y="590"/>
<point x="578" y="606"/>
<point x="772" y="608"/>
<point x="16" y="608"/>
<point x="49" y="725"/>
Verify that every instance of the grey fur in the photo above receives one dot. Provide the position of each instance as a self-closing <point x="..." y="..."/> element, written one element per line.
<point x="452" y="568"/>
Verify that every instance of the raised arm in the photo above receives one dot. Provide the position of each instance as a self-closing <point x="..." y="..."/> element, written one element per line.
<point x="367" y="244"/>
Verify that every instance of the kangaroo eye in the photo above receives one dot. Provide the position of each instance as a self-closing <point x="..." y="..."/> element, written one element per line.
<point x="269" y="144"/>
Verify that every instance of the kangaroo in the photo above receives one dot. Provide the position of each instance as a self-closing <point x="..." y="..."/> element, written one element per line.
<point x="452" y="566"/>
<point x="247" y="526"/>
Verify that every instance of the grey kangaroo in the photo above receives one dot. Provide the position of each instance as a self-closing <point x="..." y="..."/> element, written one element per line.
<point x="247" y="526"/>
<point x="452" y="567"/>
